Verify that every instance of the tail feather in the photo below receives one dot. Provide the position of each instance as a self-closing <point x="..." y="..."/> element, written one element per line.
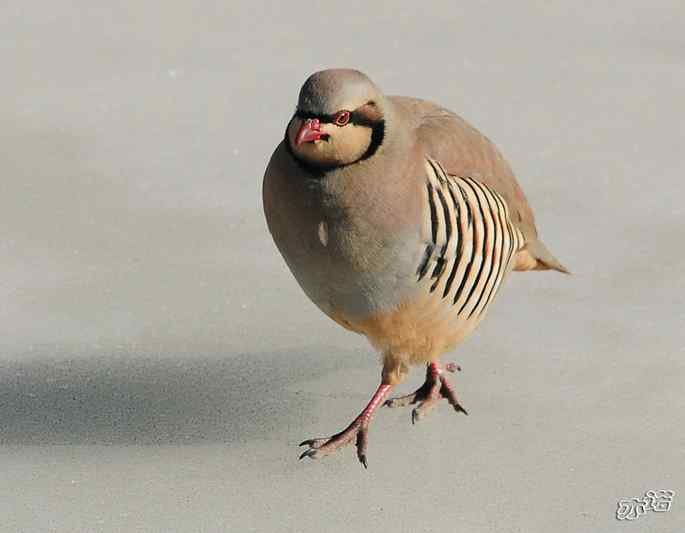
<point x="535" y="256"/>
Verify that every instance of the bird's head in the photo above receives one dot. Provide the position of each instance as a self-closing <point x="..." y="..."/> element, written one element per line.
<point x="339" y="119"/>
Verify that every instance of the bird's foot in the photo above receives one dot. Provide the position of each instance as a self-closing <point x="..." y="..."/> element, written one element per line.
<point x="357" y="431"/>
<point x="436" y="387"/>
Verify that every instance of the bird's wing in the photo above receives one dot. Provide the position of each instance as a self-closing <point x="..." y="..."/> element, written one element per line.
<point x="470" y="239"/>
<point x="463" y="151"/>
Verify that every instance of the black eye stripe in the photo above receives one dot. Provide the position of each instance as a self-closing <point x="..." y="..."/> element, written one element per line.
<point x="356" y="118"/>
<point x="362" y="120"/>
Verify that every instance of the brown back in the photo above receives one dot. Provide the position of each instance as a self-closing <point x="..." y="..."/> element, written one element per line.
<point x="464" y="151"/>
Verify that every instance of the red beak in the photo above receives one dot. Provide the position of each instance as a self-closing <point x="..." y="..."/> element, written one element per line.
<point x="310" y="131"/>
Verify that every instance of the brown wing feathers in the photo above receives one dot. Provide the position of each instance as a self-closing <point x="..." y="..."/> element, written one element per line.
<point x="472" y="238"/>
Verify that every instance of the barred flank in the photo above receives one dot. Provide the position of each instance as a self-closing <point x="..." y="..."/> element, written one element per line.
<point x="473" y="241"/>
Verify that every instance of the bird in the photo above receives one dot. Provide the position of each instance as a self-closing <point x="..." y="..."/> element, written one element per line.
<point x="400" y="221"/>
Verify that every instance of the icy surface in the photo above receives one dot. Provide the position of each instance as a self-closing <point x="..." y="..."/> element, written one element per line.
<point x="158" y="363"/>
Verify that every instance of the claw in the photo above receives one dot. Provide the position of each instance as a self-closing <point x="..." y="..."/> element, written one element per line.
<point x="308" y="453"/>
<point x="314" y="443"/>
<point x="460" y="409"/>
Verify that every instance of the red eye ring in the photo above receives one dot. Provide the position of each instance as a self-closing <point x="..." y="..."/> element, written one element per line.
<point x="341" y="118"/>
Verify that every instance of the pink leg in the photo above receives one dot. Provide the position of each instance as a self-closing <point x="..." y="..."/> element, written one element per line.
<point x="358" y="429"/>
<point x="435" y="387"/>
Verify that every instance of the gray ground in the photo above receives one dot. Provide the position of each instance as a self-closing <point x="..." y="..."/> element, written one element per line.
<point x="158" y="363"/>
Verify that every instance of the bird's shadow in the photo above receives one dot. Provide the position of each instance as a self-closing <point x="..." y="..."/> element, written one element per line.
<point x="65" y="393"/>
<point x="133" y="399"/>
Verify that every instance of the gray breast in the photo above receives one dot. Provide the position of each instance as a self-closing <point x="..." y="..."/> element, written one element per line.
<point x="349" y="268"/>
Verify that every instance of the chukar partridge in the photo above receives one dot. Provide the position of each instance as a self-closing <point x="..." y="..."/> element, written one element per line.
<point x="400" y="221"/>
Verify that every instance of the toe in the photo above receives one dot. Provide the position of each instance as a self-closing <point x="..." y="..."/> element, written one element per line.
<point x="362" y="444"/>
<point x="311" y="453"/>
<point x="422" y="409"/>
<point x="314" y="443"/>
<point x="400" y="401"/>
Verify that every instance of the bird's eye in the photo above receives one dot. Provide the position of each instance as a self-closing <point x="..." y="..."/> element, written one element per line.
<point x="341" y="118"/>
